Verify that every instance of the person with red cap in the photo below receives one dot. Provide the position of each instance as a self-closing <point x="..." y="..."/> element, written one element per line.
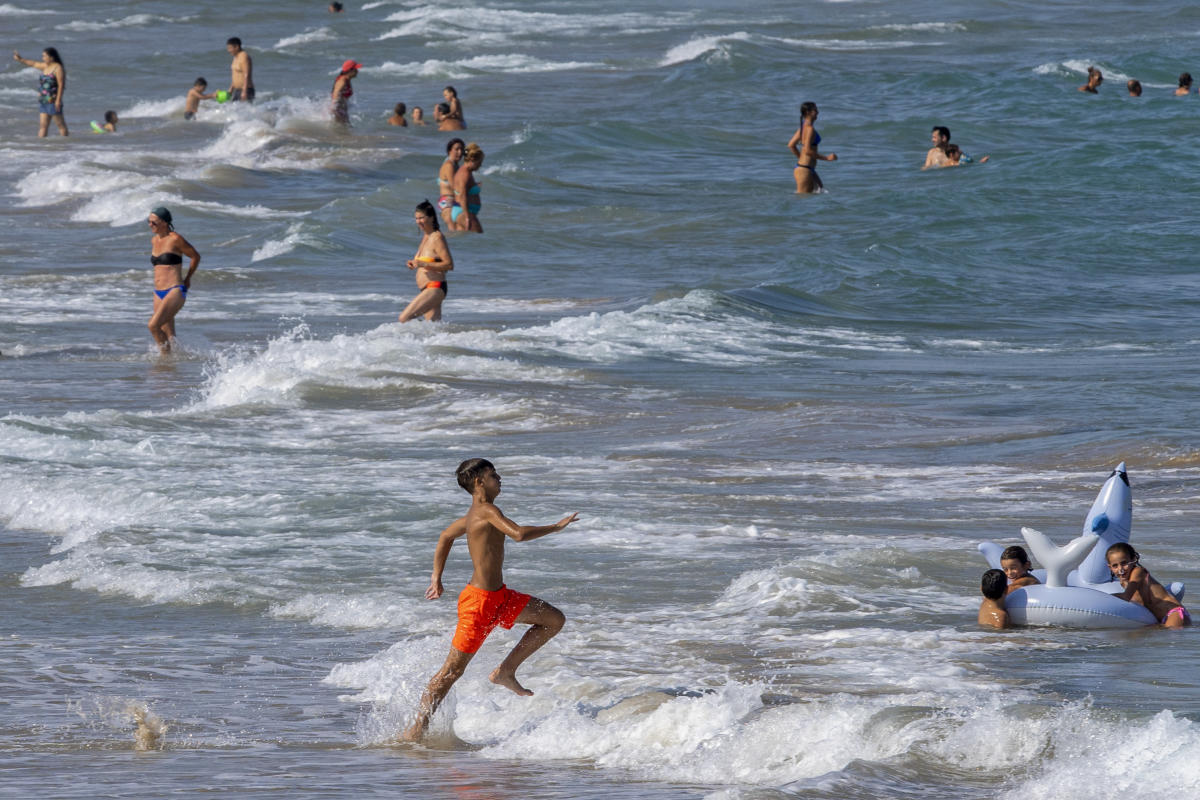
<point x="343" y="91"/>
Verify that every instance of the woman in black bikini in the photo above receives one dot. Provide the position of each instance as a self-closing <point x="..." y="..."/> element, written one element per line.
<point x="167" y="249"/>
<point x="803" y="145"/>
<point x="432" y="261"/>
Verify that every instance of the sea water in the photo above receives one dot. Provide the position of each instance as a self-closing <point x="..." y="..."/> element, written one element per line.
<point x="785" y="420"/>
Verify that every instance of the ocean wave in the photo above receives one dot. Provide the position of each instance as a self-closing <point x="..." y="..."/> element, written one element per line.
<point x="318" y="35"/>
<point x="133" y="21"/>
<point x="511" y="63"/>
<point x="700" y="46"/>
<point x="432" y="21"/>
<point x="9" y="10"/>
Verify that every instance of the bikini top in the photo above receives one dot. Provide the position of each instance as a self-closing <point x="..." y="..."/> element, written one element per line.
<point x="169" y="259"/>
<point x="816" y="137"/>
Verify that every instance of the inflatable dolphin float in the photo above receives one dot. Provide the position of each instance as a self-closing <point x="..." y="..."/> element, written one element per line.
<point x="1076" y="587"/>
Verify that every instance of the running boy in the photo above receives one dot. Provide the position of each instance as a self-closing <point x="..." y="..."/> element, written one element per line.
<point x="486" y="602"/>
<point x="194" y="96"/>
<point x="991" y="610"/>
<point x="1015" y="563"/>
<point x="1141" y="588"/>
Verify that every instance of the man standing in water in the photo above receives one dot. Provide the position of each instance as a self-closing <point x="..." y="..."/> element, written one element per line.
<point x="486" y="602"/>
<point x="241" y="79"/>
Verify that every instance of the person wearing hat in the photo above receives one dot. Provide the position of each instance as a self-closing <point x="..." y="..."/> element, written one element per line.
<point x="167" y="249"/>
<point x="343" y="91"/>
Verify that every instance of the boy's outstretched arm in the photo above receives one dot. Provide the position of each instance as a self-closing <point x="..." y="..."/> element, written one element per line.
<point x="523" y="533"/>
<point x="441" y="552"/>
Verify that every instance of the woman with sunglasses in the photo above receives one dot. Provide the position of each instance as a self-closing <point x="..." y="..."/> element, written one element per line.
<point x="167" y="249"/>
<point x="432" y="261"/>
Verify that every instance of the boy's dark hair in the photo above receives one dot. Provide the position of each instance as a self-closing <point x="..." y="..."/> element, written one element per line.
<point x="110" y="116"/>
<point x="943" y="130"/>
<point x="1017" y="552"/>
<point x="472" y="470"/>
<point x="234" y="40"/>
<point x="1125" y="548"/>
<point x="994" y="584"/>
<point x="400" y="108"/>
<point x="200" y="82"/>
<point x="443" y="107"/>
<point x="1185" y="79"/>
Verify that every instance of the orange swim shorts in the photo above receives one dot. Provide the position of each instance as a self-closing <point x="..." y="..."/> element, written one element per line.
<point x="480" y="611"/>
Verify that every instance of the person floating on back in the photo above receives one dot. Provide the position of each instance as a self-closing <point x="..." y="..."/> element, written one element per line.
<point x="486" y="602"/>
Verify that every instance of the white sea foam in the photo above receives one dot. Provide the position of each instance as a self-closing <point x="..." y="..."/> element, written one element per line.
<point x="50" y="185"/>
<point x="702" y="46"/>
<point x="940" y="27"/>
<point x="132" y="21"/>
<point x="307" y="37"/>
<point x="510" y="63"/>
<point x="153" y="108"/>
<point x="7" y="9"/>
<point x="293" y="238"/>
<point x="438" y="21"/>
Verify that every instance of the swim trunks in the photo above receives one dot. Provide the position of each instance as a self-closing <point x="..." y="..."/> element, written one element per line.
<point x="236" y="95"/>
<point x="189" y="115"/>
<point x="1181" y="611"/>
<point x="480" y="611"/>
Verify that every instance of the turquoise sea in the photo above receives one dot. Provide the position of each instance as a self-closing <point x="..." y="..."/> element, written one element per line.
<point x="785" y="420"/>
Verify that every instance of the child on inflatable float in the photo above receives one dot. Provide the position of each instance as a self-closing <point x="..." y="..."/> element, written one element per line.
<point x="1087" y="597"/>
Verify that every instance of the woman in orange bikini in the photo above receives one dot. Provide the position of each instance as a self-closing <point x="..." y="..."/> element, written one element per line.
<point x="167" y="249"/>
<point x="432" y="261"/>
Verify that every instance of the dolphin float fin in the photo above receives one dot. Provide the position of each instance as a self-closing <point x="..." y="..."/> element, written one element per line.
<point x="1058" y="561"/>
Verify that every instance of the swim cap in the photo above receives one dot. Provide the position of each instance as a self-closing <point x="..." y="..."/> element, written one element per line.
<point x="350" y="64"/>
<point x="162" y="213"/>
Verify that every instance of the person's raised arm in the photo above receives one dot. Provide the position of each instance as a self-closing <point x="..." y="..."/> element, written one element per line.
<point x="440" y="553"/>
<point x="523" y="533"/>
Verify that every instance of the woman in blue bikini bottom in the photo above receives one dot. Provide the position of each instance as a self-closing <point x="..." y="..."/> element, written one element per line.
<point x="167" y="249"/>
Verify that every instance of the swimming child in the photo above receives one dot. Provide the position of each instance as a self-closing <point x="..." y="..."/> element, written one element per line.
<point x="1185" y="84"/>
<point x="957" y="157"/>
<point x="194" y="96"/>
<point x="1141" y="588"/>
<point x="991" y="610"/>
<point x="110" y="123"/>
<point x="397" y="117"/>
<point x="418" y="115"/>
<point x="486" y="602"/>
<point x="1134" y="86"/>
<point x="1014" y="561"/>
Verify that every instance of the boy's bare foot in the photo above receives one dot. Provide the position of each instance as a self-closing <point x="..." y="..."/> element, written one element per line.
<point x="509" y="680"/>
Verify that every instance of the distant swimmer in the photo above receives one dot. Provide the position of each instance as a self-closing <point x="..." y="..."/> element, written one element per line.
<point x="1134" y="87"/>
<point x="486" y="602"/>
<point x="194" y="96"/>
<point x="51" y="88"/>
<point x="241" y="69"/>
<point x="936" y="155"/>
<point x="454" y="106"/>
<point x="1185" y="84"/>
<point x="803" y="145"/>
<point x="397" y="117"/>
<point x="432" y="261"/>
<point x="342" y="91"/>
<point x="464" y="213"/>
<point x="167" y="249"/>
<point x="1095" y="78"/>
<point x="418" y="115"/>
<point x="454" y="154"/>
<point x="445" y="122"/>
<point x="956" y="157"/>
<point x="335" y="8"/>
